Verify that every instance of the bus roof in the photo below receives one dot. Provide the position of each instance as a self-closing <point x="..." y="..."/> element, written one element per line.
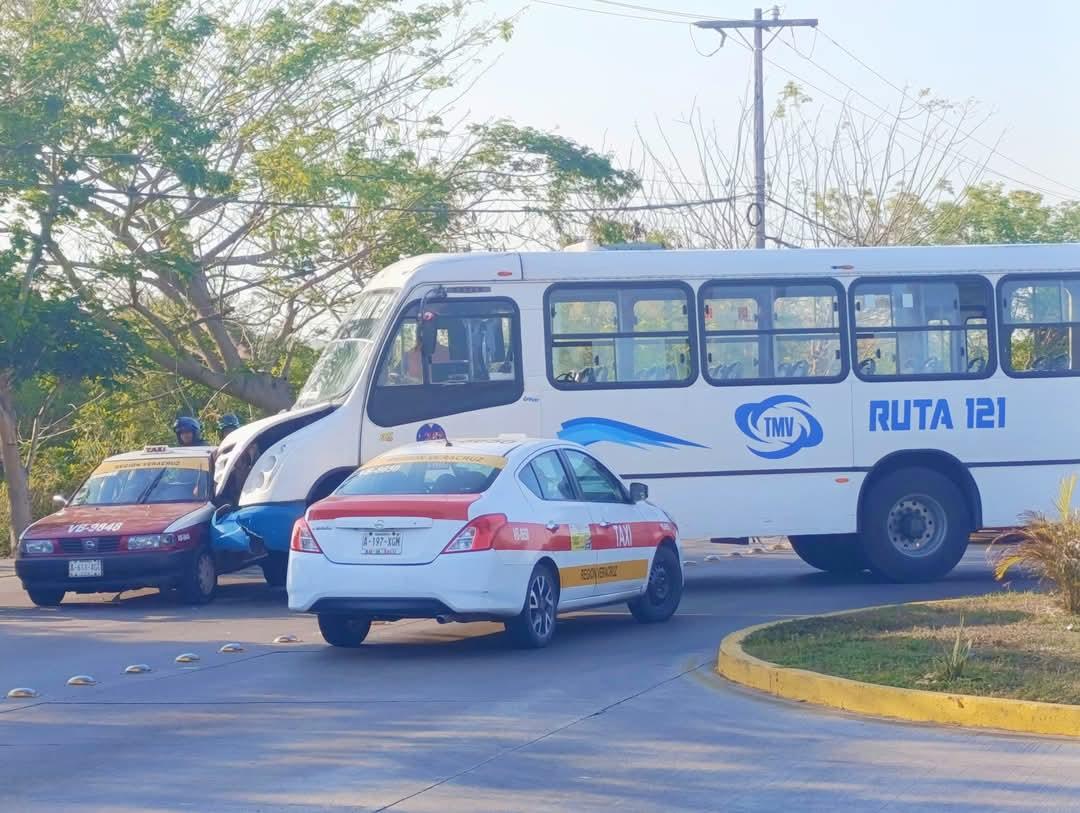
<point x="479" y="267"/>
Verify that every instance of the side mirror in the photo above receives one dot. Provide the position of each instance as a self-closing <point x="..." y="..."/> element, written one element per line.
<point x="429" y="333"/>
<point x="59" y="500"/>
<point x="639" y="492"/>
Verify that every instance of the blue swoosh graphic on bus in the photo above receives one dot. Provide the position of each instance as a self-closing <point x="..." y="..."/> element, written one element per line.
<point x="588" y="431"/>
<point x="780" y="425"/>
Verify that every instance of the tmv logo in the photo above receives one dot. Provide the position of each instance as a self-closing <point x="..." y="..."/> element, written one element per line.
<point x="778" y="427"/>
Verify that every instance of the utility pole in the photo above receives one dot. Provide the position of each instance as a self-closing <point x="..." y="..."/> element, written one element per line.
<point x="759" y="25"/>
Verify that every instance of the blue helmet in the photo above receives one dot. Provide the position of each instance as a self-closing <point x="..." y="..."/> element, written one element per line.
<point x="228" y="421"/>
<point x="185" y="423"/>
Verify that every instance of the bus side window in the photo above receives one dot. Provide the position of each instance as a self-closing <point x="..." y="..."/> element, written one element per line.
<point x="772" y="330"/>
<point x="611" y="336"/>
<point x="918" y="328"/>
<point x="1040" y="325"/>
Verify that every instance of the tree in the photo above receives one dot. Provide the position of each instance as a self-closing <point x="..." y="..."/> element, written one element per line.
<point x="235" y="172"/>
<point x="49" y="340"/>
<point x="986" y="213"/>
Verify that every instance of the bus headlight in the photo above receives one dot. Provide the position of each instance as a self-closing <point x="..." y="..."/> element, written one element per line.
<point x="263" y="472"/>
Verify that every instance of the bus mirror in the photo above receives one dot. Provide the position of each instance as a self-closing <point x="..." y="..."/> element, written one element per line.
<point x="639" y="492"/>
<point x="428" y="333"/>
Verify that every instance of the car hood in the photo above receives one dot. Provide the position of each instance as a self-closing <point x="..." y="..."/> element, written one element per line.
<point x="121" y="520"/>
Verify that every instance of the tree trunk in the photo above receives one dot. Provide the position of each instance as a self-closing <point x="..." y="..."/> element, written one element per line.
<point x="15" y="474"/>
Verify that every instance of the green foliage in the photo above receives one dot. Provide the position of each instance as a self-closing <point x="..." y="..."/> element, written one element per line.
<point x="952" y="664"/>
<point x="1048" y="547"/>
<point x="989" y="214"/>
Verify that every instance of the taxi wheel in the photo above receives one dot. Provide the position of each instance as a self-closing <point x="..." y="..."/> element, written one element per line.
<point x="199" y="582"/>
<point x="534" y="627"/>
<point x="661" y="598"/>
<point x="344" y="630"/>
<point x="43" y="597"/>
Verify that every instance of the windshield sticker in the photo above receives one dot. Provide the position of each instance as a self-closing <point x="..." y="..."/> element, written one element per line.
<point x="109" y="466"/>
<point x="491" y="460"/>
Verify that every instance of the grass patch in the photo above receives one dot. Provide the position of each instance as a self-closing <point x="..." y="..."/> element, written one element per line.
<point x="1021" y="646"/>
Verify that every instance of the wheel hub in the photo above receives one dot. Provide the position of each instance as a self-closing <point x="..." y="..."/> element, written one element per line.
<point x="917" y="525"/>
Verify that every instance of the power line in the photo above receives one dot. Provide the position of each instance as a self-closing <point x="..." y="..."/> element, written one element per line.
<point x="435" y="210"/>
<point x="610" y="13"/>
<point x="687" y="14"/>
<point x="971" y="135"/>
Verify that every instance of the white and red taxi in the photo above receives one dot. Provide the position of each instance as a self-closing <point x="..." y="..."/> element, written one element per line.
<point x="142" y="519"/>
<point x="507" y="529"/>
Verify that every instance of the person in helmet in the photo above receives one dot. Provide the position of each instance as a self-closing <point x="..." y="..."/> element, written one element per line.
<point x="227" y="423"/>
<point x="188" y="431"/>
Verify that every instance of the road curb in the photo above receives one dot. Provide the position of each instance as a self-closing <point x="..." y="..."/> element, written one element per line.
<point x="912" y="705"/>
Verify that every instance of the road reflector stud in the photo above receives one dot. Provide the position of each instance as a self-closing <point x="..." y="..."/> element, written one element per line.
<point x="227" y="648"/>
<point x="137" y="669"/>
<point x="689" y="563"/>
<point x="187" y="657"/>
<point x="286" y="639"/>
<point x="712" y="557"/>
<point x="81" y="680"/>
<point x="21" y="693"/>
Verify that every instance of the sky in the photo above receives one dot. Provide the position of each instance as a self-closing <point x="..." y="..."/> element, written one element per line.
<point x="598" y="77"/>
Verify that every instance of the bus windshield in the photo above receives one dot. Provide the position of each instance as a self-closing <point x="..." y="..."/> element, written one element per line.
<point x="345" y="357"/>
<point x="132" y="482"/>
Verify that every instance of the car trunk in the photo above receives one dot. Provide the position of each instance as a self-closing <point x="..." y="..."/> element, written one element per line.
<point x="388" y="530"/>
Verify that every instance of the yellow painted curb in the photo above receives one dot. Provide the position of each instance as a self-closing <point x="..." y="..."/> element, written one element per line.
<point x="913" y="705"/>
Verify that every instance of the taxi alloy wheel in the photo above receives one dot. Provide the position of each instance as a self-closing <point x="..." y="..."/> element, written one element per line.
<point x="534" y="627"/>
<point x="344" y="630"/>
<point x="664" y="592"/>
<point x="199" y="583"/>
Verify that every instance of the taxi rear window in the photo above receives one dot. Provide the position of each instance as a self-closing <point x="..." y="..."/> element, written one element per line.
<point x="409" y="475"/>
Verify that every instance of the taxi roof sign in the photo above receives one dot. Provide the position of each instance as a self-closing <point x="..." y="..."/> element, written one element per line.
<point x="155" y="449"/>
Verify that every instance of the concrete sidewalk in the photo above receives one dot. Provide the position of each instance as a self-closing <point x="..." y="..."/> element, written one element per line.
<point x="7" y="568"/>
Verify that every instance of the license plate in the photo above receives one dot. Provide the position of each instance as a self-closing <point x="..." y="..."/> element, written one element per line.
<point x="383" y="543"/>
<point x="82" y="568"/>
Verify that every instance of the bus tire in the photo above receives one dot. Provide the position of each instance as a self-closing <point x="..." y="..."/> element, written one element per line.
<point x="915" y="525"/>
<point x="833" y="553"/>
<point x="534" y="626"/>
<point x="275" y="568"/>
<point x="664" y="592"/>
<point x="348" y="631"/>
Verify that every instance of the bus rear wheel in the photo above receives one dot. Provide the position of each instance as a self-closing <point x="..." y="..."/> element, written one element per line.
<point x="833" y="553"/>
<point x="916" y="524"/>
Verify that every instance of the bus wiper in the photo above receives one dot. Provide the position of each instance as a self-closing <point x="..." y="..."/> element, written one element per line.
<point x="150" y="488"/>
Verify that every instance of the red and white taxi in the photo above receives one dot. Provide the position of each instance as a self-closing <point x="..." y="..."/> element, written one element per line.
<point x="503" y="529"/>
<point x="142" y="519"/>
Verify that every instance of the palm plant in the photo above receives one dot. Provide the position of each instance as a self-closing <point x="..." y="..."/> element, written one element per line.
<point x="1048" y="547"/>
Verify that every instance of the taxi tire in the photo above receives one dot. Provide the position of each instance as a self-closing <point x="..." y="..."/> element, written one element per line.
<point x="44" y="597"/>
<point x="275" y="568"/>
<point x="197" y="585"/>
<point x="664" y="592"/>
<point x="543" y="585"/>
<point x="832" y="553"/>
<point x="347" y="631"/>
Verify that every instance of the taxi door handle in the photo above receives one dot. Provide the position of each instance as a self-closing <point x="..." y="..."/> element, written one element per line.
<point x="552" y="526"/>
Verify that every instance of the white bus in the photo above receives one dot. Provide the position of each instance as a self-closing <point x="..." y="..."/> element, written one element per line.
<point x="875" y="405"/>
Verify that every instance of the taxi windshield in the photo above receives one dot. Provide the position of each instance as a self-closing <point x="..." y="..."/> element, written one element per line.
<point x="131" y="482"/>
<point x="408" y="475"/>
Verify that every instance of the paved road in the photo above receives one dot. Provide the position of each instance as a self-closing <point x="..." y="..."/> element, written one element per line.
<point x="447" y="718"/>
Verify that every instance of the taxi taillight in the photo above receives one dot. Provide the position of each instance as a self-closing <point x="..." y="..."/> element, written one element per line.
<point x="303" y="540"/>
<point x="477" y="535"/>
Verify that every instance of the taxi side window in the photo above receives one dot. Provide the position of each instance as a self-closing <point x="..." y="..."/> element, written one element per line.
<point x="597" y="484"/>
<point x="546" y="477"/>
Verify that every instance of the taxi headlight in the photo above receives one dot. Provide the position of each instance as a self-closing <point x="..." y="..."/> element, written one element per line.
<point x="38" y="546"/>
<point x="150" y="541"/>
